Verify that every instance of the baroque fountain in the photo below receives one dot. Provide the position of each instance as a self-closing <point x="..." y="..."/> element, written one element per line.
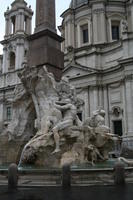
<point x="46" y="128"/>
<point x="46" y="134"/>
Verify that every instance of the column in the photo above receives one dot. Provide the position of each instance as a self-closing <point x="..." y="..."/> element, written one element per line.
<point x="28" y="25"/>
<point x="4" y="65"/>
<point x="99" y="22"/>
<point x="17" y="23"/>
<point x="78" y="36"/>
<point x="103" y="28"/>
<point x="69" y="33"/>
<point x="86" y="99"/>
<point x="95" y="29"/>
<point x="125" y="130"/>
<point x="22" y="21"/>
<point x="1" y="112"/>
<point x="73" y="33"/>
<point x="132" y="17"/>
<point x="93" y="99"/>
<point x="110" y="31"/>
<point x="100" y="96"/>
<point x="66" y="36"/>
<point x="129" y="105"/>
<point x="7" y="26"/>
<point x="10" y="26"/>
<point x="89" y="31"/>
<point x="19" y="55"/>
<point x="106" y="105"/>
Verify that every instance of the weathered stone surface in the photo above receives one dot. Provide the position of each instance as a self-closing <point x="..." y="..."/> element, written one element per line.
<point x="20" y="129"/>
<point x="45" y="15"/>
<point x="61" y="137"/>
<point x="44" y="49"/>
<point x="45" y="44"/>
<point x="22" y="125"/>
<point x="12" y="176"/>
<point x="119" y="173"/>
<point x="46" y="110"/>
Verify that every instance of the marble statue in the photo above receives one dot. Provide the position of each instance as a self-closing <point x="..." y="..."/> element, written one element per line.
<point x="124" y="26"/>
<point x="126" y="161"/>
<point x="92" y="153"/>
<point x="56" y="135"/>
<point x="69" y="113"/>
<point x="22" y="124"/>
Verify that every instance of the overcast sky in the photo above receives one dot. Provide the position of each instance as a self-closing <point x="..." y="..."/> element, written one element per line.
<point x="61" y="5"/>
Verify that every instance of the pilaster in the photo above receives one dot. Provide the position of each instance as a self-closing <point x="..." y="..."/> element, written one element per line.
<point x="129" y="103"/>
<point x="19" y="54"/>
<point x="99" y="22"/>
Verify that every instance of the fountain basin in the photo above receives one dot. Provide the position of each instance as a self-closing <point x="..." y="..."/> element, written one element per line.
<point x="101" y="174"/>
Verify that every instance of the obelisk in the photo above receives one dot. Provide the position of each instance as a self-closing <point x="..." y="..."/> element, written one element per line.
<point x="45" y="44"/>
<point x="45" y="15"/>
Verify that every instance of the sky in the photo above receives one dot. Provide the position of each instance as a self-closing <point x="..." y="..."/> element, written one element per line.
<point x="61" y="6"/>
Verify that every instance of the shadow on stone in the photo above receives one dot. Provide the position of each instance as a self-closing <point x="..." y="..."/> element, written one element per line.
<point x="119" y="173"/>
<point x="12" y="176"/>
<point x="66" y="176"/>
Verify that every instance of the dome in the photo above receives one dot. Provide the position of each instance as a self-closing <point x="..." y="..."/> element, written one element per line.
<point x="77" y="3"/>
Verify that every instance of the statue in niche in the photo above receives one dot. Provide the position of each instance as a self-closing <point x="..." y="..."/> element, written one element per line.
<point x="124" y="26"/>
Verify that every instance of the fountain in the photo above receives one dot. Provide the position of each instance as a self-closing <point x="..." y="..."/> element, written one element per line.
<point x="57" y="135"/>
<point x="45" y="134"/>
<point x="61" y="138"/>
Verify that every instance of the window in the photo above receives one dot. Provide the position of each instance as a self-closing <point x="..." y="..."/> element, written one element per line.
<point x="25" y="24"/>
<point x="115" y="27"/>
<point x="8" y="113"/>
<point x="12" y="60"/>
<point x="118" y="127"/>
<point x="25" y="53"/>
<point x="13" y="21"/>
<point x="84" y="30"/>
<point x="79" y="114"/>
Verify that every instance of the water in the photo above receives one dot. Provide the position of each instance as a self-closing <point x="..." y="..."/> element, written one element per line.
<point x="74" y="193"/>
<point x="99" y="165"/>
<point x="106" y="164"/>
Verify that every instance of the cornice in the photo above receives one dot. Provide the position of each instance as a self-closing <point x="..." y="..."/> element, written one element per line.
<point x="13" y="37"/>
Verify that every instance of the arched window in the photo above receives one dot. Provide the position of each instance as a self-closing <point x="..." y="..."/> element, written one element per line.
<point x="12" y="60"/>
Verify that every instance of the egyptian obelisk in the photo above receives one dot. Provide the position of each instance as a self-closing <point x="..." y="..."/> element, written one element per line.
<point x="45" y="44"/>
<point x="45" y="15"/>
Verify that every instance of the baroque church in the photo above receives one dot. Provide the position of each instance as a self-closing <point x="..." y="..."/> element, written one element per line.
<point x="98" y="57"/>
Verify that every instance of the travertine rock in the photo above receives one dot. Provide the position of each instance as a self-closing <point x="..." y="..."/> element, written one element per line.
<point x="50" y="108"/>
<point x="61" y="137"/>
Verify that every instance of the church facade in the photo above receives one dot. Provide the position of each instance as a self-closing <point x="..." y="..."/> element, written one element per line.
<point x="98" y="49"/>
<point x="18" y="21"/>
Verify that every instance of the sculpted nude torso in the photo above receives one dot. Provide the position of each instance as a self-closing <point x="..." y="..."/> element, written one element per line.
<point x="69" y="113"/>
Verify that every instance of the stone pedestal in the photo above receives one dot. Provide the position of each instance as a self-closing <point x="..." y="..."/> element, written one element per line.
<point x="45" y="44"/>
<point x="44" y="49"/>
